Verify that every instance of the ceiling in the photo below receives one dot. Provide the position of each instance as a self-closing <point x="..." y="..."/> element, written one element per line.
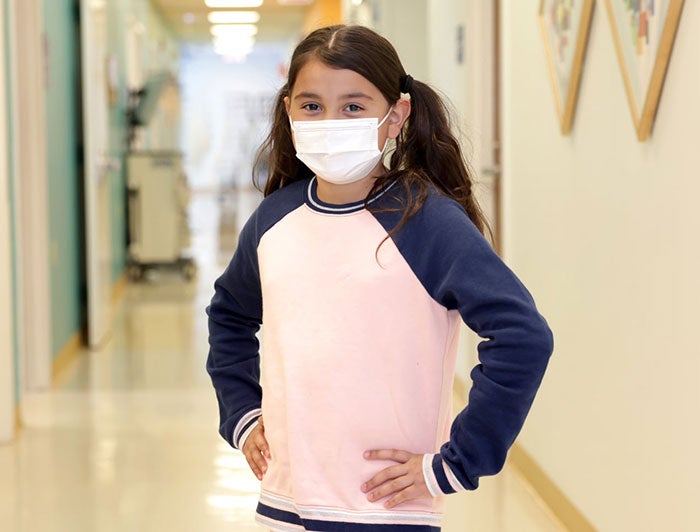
<point x="276" y="21"/>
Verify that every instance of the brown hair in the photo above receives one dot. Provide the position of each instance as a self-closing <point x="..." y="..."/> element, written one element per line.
<point x="427" y="153"/>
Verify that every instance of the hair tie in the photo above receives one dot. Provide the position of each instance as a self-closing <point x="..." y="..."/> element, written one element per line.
<point x="407" y="84"/>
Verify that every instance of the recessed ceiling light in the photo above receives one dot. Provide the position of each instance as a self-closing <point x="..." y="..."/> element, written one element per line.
<point x="234" y="29"/>
<point x="233" y="47"/>
<point x="233" y="3"/>
<point x="294" y="2"/>
<point x="234" y="17"/>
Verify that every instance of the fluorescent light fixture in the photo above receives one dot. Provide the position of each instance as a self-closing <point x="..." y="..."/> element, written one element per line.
<point x="233" y="42"/>
<point x="234" y="17"/>
<point x="233" y="3"/>
<point x="236" y="54"/>
<point x="233" y="46"/>
<point x="247" y="30"/>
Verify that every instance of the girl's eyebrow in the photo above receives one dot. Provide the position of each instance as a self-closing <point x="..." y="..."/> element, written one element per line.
<point x="351" y="95"/>
<point x="310" y="95"/>
<point x="354" y="95"/>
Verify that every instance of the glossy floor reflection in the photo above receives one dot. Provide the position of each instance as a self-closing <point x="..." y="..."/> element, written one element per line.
<point x="127" y="441"/>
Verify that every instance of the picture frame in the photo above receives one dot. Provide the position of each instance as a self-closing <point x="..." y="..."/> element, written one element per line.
<point x="565" y="26"/>
<point x="644" y="32"/>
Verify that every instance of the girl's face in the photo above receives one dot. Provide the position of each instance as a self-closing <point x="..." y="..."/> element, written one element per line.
<point x="324" y="93"/>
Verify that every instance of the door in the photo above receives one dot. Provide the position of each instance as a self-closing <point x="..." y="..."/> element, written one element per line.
<point x="7" y="350"/>
<point x="28" y="77"/>
<point x="485" y="41"/>
<point x="98" y="167"/>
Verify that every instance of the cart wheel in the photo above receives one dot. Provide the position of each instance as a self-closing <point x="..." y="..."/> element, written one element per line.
<point x="135" y="272"/>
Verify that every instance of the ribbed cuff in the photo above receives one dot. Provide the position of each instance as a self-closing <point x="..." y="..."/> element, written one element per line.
<point x="439" y="478"/>
<point x="244" y="436"/>
<point x="244" y="426"/>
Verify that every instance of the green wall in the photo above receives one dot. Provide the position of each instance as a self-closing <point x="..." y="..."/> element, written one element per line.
<point x="64" y="187"/>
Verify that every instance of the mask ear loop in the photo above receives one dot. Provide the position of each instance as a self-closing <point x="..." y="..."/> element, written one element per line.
<point x="386" y="142"/>
<point x="387" y="116"/>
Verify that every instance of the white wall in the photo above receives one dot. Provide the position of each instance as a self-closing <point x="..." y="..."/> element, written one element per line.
<point x="604" y="231"/>
<point x="446" y="73"/>
<point x="404" y="23"/>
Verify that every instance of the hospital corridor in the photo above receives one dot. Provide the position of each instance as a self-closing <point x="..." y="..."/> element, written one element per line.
<point x="471" y="227"/>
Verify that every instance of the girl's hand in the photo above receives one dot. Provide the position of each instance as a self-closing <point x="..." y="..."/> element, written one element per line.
<point x="403" y="482"/>
<point x="256" y="450"/>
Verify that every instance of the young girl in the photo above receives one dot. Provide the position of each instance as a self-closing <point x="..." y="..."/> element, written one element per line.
<point x="360" y="272"/>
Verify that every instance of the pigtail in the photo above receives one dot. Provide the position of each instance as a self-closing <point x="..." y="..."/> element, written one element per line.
<point x="277" y="153"/>
<point x="431" y="150"/>
<point x="427" y="153"/>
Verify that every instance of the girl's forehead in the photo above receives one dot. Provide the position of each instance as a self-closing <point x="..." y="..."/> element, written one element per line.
<point x="318" y="78"/>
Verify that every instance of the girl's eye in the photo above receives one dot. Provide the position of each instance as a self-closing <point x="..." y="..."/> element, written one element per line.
<point x="311" y="107"/>
<point x="353" y="108"/>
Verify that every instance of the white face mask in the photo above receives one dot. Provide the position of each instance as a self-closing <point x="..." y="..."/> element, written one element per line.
<point x="339" y="151"/>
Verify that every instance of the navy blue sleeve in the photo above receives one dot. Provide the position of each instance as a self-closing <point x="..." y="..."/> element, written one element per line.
<point x="461" y="271"/>
<point x="235" y="316"/>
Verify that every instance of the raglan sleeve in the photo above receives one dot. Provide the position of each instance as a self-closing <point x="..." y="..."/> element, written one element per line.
<point x="467" y="275"/>
<point x="233" y="362"/>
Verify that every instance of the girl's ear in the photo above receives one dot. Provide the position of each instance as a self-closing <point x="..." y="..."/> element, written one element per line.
<point x="286" y="104"/>
<point x="399" y="114"/>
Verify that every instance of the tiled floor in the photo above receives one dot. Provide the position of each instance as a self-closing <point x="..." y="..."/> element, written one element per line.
<point x="126" y="440"/>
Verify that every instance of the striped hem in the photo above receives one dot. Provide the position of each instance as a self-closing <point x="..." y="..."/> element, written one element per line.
<point x="244" y="424"/>
<point x="280" y="513"/>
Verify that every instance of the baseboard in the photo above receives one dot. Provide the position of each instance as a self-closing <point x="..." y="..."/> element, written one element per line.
<point x="555" y="501"/>
<point x="559" y="504"/>
<point x="66" y="356"/>
<point x="70" y="351"/>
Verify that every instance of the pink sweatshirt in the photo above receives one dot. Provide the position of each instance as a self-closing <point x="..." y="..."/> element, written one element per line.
<point x="359" y="349"/>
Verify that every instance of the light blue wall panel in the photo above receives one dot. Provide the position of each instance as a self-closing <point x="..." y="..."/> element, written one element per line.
<point x="65" y="205"/>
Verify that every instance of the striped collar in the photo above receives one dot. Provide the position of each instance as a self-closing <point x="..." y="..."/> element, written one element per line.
<point x="313" y="201"/>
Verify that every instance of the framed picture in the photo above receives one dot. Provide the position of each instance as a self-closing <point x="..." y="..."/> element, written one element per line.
<point x="565" y="25"/>
<point x="644" y="31"/>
